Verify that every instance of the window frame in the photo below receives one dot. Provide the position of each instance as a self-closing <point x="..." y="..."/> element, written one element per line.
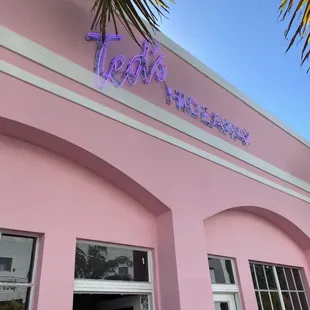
<point x="224" y="287"/>
<point x="278" y="289"/>
<point x="89" y="286"/>
<point x="33" y="263"/>
<point x="227" y="288"/>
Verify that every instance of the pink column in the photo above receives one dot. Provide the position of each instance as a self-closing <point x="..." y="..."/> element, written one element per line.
<point x="57" y="272"/>
<point x="192" y="263"/>
<point x="168" y="286"/>
<point x="306" y="272"/>
<point x="245" y="284"/>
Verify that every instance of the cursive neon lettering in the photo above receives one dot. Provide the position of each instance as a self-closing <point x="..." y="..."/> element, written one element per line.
<point x="138" y="66"/>
<point x="149" y="65"/>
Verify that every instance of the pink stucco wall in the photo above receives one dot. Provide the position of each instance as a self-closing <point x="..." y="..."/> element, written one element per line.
<point x="41" y="192"/>
<point x="245" y="236"/>
<point x="71" y="21"/>
<point x="135" y="189"/>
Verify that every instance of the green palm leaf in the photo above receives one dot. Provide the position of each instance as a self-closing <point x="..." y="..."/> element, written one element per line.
<point x="300" y="20"/>
<point x="127" y="12"/>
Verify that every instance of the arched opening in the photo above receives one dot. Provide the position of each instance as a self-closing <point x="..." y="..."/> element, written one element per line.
<point x="268" y="253"/>
<point x="83" y="158"/>
<point x="62" y="200"/>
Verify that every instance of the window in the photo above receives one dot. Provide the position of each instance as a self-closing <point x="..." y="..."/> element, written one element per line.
<point x="224" y="283"/>
<point x="278" y="287"/>
<point x="5" y="264"/>
<point x="113" y="269"/>
<point x="221" y="271"/>
<point x="102" y="262"/>
<point x="16" y="270"/>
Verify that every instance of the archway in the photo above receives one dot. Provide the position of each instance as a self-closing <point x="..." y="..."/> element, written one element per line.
<point x="30" y="139"/>
<point x="260" y="243"/>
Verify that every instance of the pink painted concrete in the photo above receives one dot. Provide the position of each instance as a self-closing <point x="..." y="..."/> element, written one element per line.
<point x="244" y="236"/>
<point x="65" y="202"/>
<point x="71" y="20"/>
<point x="132" y="188"/>
<point x="97" y="97"/>
<point x="192" y="191"/>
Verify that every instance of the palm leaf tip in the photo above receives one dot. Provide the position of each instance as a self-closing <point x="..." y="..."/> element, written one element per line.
<point x="129" y="13"/>
<point x="298" y="25"/>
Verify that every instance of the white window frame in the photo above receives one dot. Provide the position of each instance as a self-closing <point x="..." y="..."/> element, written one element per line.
<point x="30" y="285"/>
<point x="279" y="290"/>
<point x="228" y="288"/>
<point x="87" y="286"/>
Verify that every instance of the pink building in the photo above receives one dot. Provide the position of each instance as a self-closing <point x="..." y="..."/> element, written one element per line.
<point x="137" y="179"/>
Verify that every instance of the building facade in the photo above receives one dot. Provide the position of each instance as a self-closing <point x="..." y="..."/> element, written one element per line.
<point x="136" y="170"/>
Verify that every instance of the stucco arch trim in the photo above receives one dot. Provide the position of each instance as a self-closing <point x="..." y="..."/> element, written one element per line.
<point x="279" y="221"/>
<point x="85" y="159"/>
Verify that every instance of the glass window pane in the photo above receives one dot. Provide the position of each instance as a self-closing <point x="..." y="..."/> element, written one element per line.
<point x="20" y="252"/>
<point x="287" y="301"/>
<point x="270" y="277"/>
<point x="275" y="301"/>
<point x="258" y="301"/>
<point x="221" y="305"/>
<point x="221" y="271"/>
<point x="289" y="278"/>
<point x="13" y="297"/>
<point x="110" y="263"/>
<point x="303" y="301"/>
<point x="295" y="301"/>
<point x="260" y="276"/>
<point x="266" y="300"/>
<point x="253" y="276"/>
<point x="229" y="270"/>
<point x="297" y="279"/>
<point x="281" y="278"/>
<point x="6" y="264"/>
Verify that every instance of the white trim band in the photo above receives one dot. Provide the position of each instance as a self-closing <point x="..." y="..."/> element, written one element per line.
<point x="225" y="288"/>
<point x="110" y="286"/>
<point x="65" y="67"/>
<point x="215" y="77"/>
<point x="101" y="109"/>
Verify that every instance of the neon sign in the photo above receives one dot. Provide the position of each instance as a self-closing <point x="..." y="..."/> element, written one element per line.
<point x="149" y="65"/>
<point x="138" y="66"/>
<point x="192" y="108"/>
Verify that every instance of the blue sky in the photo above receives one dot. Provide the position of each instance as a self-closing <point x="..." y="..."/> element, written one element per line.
<point x="243" y="42"/>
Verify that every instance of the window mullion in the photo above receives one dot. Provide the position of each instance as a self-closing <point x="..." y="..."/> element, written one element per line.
<point x="296" y="288"/>
<point x="278" y="287"/>
<point x="260" y="298"/>
<point x="268" y="289"/>
<point x="303" y="286"/>
<point x="14" y="284"/>
<point x="288" y="288"/>
<point x="151" y="301"/>
<point x="150" y="265"/>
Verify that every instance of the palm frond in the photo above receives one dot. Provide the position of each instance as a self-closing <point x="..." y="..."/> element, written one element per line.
<point x="127" y="12"/>
<point x="300" y="20"/>
<point x="93" y="264"/>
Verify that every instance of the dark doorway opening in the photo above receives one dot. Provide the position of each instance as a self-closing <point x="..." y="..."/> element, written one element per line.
<point x="105" y="302"/>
